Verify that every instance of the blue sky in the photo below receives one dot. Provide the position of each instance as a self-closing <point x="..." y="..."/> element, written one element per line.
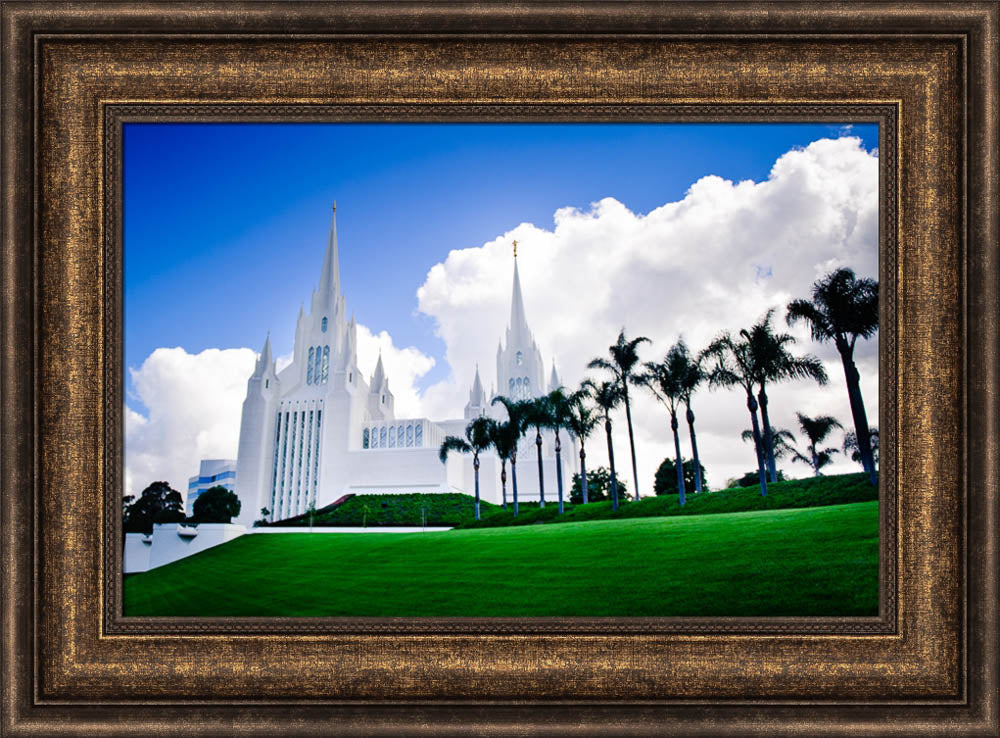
<point x="225" y="224"/>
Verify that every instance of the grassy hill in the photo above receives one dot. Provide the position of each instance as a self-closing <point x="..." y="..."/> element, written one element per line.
<point x="396" y="510"/>
<point x="812" y="492"/>
<point x="819" y="561"/>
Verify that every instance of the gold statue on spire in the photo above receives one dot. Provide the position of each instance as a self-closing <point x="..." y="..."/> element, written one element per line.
<point x="515" y="248"/>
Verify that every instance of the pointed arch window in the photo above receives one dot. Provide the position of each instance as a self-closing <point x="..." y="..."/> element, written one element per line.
<point x="392" y="436"/>
<point x="316" y="362"/>
<point x="519" y="357"/>
<point x="399" y="436"/>
<point x="309" y="365"/>
<point x="326" y="363"/>
<point x="323" y="324"/>
<point x="364" y="439"/>
<point x="409" y="435"/>
<point x="418" y="435"/>
<point x="511" y="392"/>
<point x="381" y="436"/>
<point x="527" y="388"/>
<point x="374" y="438"/>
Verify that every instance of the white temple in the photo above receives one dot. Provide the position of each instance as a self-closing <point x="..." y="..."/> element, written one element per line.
<point x="319" y="430"/>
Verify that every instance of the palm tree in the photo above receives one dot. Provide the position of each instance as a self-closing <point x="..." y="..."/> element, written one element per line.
<point x="816" y="430"/>
<point x="851" y="445"/>
<point x="504" y="442"/>
<point x="478" y="438"/>
<point x="560" y="409"/>
<point x="666" y="381"/>
<point x="844" y="308"/>
<point x="513" y="429"/>
<point x="782" y="440"/>
<point x="693" y="377"/>
<point x="775" y="363"/>
<point x="734" y="367"/>
<point x="581" y="422"/>
<point x="624" y="360"/>
<point x="537" y="413"/>
<point x="607" y="396"/>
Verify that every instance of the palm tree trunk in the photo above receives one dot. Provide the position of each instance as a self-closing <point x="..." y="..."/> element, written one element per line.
<point x="513" y="480"/>
<point x="815" y="460"/>
<point x="762" y="473"/>
<point x="679" y="461"/>
<point x="611" y="463"/>
<point x="559" y="485"/>
<point x="583" y="473"/>
<point x="541" y="480"/>
<point x="858" y="412"/>
<point x="694" y="451"/>
<point x="768" y="437"/>
<point x="631" y="438"/>
<point x="475" y="466"/>
<point x="503" y="480"/>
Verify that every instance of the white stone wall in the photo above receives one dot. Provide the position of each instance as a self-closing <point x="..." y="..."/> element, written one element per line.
<point x="173" y="541"/>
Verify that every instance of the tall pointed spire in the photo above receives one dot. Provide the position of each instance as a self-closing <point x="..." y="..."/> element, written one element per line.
<point x="265" y="359"/>
<point x="476" y="395"/>
<point x="518" y="321"/>
<point x="378" y="378"/>
<point x="554" y="379"/>
<point x="329" y="281"/>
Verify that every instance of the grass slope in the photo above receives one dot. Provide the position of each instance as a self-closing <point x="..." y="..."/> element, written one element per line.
<point x="812" y="492"/>
<point x="449" y="509"/>
<point x="817" y="561"/>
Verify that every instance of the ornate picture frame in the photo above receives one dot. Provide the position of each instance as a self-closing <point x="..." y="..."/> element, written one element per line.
<point x="72" y="75"/>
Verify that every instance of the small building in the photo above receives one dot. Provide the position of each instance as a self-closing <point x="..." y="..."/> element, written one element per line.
<point x="211" y="473"/>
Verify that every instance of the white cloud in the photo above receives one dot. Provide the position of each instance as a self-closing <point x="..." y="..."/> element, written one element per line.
<point x="403" y="366"/>
<point x="193" y="404"/>
<point x="715" y="260"/>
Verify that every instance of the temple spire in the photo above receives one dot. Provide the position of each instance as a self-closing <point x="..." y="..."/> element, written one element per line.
<point x="266" y="358"/>
<point x="518" y="320"/>
<point x="476" y="395"/>
<point x="329" y="281"/>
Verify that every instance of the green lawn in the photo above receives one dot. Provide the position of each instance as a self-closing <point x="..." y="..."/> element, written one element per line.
<point x="820" y="561"/>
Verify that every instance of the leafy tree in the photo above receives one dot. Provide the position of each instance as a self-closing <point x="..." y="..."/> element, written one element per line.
<point x="817" y="430"/>
<point x="216" y="505"/>
<point x="665" y="380"/>
<point x="851" y="445"/>
<point x="622" y="365"/>
<point x="478" y="437"/>
<point x="843" y="309"/>
<point x="581" y="422"/>
<point x="665" y="482"/>
<point x="512" y="430"/>
<point x="607" y="396"/>
<point x="599" y="485"/>
<point x="775" y="363"/>
<point x="751" y="478"/>
<point x="734" y="367"/>
<point x="158" y="503"/>
<point x="264" y="513"/>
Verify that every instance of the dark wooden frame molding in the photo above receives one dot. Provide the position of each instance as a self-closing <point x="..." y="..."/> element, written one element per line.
<point x="73" y="73"/>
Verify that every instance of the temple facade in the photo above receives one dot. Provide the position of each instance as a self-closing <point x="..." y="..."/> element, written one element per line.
<point x="319" y="429"/>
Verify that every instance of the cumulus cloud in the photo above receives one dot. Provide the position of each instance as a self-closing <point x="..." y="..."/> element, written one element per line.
<point x="193" y="404"/>
<point x="715" y="260"/>
<point x="403" y="366"/>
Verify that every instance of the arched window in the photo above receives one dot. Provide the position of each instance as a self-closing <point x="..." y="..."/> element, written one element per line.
<point x="527" y="388"/>
<point x="323" y="325"/>
<point x="392" y="436"/>
<point x="409" y="435"/>
<point x="399" y="436"/>
<point x="316" y="362"/>
<point x="374" y="438"/>
<point x="364" y="439"/>
<point x="418" y="440"/>
<point x="326" y="363"/>
<point x="309" y="366"/>
<point x="519" y="358"/>
<point x="511" y="392"/>
<point x="381" y="437"/>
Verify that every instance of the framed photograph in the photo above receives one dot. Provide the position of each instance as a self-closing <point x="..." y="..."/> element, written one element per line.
<point x="573" y="368"/>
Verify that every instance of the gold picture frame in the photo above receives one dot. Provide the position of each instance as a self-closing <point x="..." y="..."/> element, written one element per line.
<point x="73" y="74"/>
